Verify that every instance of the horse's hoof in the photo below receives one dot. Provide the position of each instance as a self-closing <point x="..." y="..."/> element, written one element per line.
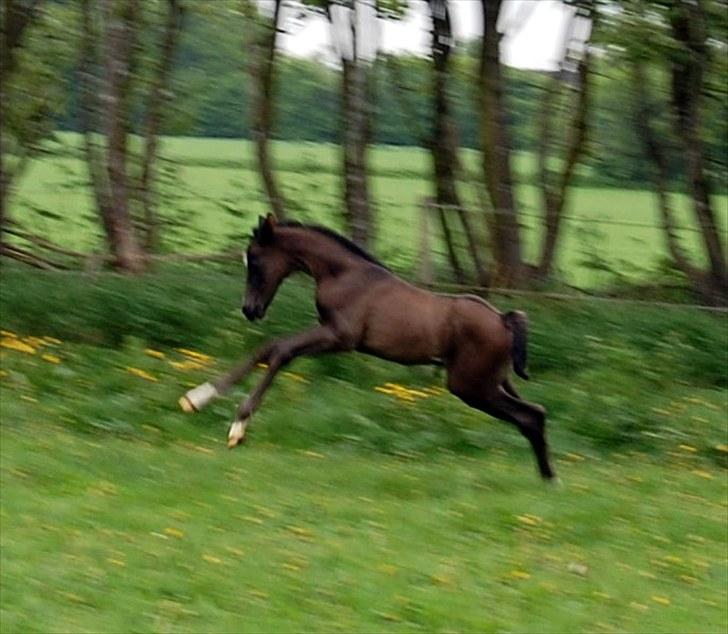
<point x="236" y="435"/>
<point x="198" y="397"/>
<point x="186" y="406"/>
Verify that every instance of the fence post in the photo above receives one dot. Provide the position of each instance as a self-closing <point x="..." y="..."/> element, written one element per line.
<point x="425" y="274"/>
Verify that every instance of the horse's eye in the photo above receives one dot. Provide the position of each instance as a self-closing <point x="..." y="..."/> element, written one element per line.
<point x="255" y="274"/>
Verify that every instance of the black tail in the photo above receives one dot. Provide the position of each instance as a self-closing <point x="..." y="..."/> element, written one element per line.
<point x="517" y="322"/>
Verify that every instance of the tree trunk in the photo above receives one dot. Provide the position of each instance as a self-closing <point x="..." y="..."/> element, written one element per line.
<point x="689" y="29"/>
<point x="120" y="47"/>
<point x="356" y="185"/>
<point x="355" y="124"/>
<point x="555" y="194"/>
<point x="496" y="153"/>
<point x="262" y="78"/>
<point x="157" y="98"/>
<point x="645" y="111"/>
<point x="88" y="114"/>
<point x="444" y="144"/>
<point x="4" y="178"/>
<point x="16" y="19"/>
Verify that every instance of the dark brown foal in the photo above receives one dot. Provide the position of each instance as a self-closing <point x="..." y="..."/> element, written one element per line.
<point x="362" y="306"/>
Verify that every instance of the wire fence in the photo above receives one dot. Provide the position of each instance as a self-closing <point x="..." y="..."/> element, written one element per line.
<point x="593" y="254"/>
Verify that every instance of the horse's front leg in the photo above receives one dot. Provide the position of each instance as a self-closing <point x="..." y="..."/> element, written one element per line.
<point x="197" y="398"/>
<point x="317" y="340"/>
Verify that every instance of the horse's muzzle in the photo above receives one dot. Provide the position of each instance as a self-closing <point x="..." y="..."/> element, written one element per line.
<point x="252" y="312"/>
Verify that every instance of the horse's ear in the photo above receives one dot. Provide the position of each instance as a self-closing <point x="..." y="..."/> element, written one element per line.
<point x="265" y="229"/>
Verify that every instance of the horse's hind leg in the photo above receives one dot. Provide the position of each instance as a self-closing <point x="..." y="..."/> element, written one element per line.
<point x="508" y="386"/>
<point x="530" y="420"/>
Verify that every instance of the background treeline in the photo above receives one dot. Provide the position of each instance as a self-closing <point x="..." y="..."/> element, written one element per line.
<point x="639" y="101"/>
<point x="211" y="99"/>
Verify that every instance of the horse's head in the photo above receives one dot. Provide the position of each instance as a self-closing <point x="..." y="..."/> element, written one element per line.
<point x="267" y="265"/>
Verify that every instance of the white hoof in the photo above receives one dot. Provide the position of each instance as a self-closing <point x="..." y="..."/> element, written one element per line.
<point x="198" y="397"/>
<point x="236" y="435"/>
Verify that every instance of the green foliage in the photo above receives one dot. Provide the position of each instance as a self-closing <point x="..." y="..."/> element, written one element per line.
<point x="36" y="91"/>
<point x="349" y="508"/>
<point x="106" y="534"/>
<point x="631" y="361"/>
<point x="210" y="97"/>
<point x="210" y="196"/>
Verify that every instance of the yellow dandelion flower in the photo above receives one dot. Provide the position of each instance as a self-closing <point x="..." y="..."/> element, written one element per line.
<point x="291" y="566"/>
<point x="52" y="340"/>
<point x="7" y="333"/>
<point x="186" y="365"/>
<point x="263" y="366"/>
<point x="388" y="569"/>
<point x="300" y="531"/>
<point x="660" y="600"/>
<point x="154" y="353"/>
<point x="296" y="377"/>
<point x="51" y="358"/>
<point x="520" y="574"/>
<point x="530" y="520"/>
<point x="211" y="559"/>
<point x="197" y="356"/>
<point x="12" y="343"/>
<point x="418" y="394"/>
<point x="174" y="532"/>
<point x="442" y="580"/>
<point x="673" y="559"/>
<point x="142" y="374"/>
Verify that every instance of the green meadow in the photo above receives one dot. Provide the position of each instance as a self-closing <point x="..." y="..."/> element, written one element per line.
<point x="366" y="498"/>
<point x="211" y="195"/>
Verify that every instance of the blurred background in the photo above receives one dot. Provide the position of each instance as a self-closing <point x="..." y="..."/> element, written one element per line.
<point x="566" y="157"/>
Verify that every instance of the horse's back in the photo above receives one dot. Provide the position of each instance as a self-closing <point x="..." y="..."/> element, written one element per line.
<point x="404" y="323"/>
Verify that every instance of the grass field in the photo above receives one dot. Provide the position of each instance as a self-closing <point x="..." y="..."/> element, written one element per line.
<point x="366" y="498"/>
<point x="213" y="192"/>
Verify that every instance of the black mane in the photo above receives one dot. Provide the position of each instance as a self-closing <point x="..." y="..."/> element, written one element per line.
<point x="337" y="237"/>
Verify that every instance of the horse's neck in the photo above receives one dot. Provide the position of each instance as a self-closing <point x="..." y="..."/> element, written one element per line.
<point x="321" y="256"/>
